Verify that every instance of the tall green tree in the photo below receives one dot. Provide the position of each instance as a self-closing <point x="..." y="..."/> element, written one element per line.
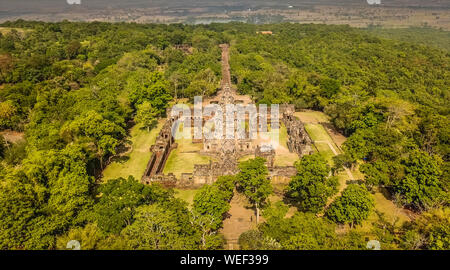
<point x="301" y="231"/>
<point x="119" y="199"/>
<point x="89" y="237"/>
<point x="352" y="207"/>
<point x="19" y="206"/>
<point x="146" y="115"/>
<point x="210" y="200"/>
<point x="151" y="87"/>
<point x="157" y="228"/>
<point x="313" y="185"/>
<point x="422" y="186"/>
<point x="211" y="203"/>
<point x="431" y="230"/>
<point x="254" y="181"/>
<point x="94" y="128"/>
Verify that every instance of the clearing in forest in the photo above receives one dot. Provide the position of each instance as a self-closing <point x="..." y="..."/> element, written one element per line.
<point x="186" y="195"/>
<point x="134" y="161"/>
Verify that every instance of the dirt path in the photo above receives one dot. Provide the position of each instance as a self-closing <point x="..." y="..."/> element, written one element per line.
<point x="241" y="219"/>
<point x="226" y="78"/>
<point x="349" y="173"/>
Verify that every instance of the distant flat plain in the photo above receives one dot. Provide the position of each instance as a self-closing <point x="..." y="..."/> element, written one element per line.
<point x="357" y="13"/>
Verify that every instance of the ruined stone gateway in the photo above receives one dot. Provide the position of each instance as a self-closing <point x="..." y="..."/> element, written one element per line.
<point x="226" y="152"/>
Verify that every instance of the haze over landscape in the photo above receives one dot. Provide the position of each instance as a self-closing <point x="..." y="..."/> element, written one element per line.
<point x="358" y="13"/>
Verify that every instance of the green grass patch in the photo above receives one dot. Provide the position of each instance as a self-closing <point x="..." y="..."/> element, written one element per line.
<point x="287" y="159"/>
<point x="284" y="158"/>
<point x="317" y="132"/>
<point x="136" y="161"/>
<point x="179" y="163"/>
<point x="183" y="158"/>
<point x="388" y="208"/>
<point x="283" y="135"/>
<point x="321" y="139"/>
<point x="343" y="178"/>
<point x="325" y="151"/>
<point x="245" y="158"/>
<point x="313" y="116"/>
<point x="186" y="195"/>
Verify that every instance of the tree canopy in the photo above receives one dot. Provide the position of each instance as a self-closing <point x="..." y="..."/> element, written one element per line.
<point x="352" y="207"/>
<point x="254" y="182"/>
<point x="313" y="185"/>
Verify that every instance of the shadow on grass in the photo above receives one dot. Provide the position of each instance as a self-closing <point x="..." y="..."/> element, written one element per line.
<point x="357" y="182"/>
<point x="386" y="193"/>
<point x="120" y="159"/>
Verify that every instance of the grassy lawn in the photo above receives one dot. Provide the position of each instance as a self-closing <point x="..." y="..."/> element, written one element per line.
<point x="321" y="139"/>
<point x="186" y="195"/>
<point x="286" y="160"/>
<point x="245" y="158"/>
<point x="183" y="158"/>
<point x="343" y="178"/>
<point x="325" y="152"/>
<point x="357" y="174"/>
<point x="277" y="197"/>
<point x="312" y="116"/>
<point x="388" y="208"/>
<point x="317" y="132"/>
<point x="283" y="156"/>
<point x="179" y="163"/>
<point x="283" y="135"/>
<point x="135" y="162"/>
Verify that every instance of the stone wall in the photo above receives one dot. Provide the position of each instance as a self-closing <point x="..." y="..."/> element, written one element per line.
<point x="166" y="180"/>
<point x="298" y="139"/>
<point x="286" y="171"/>
<point x="160" y="151"/>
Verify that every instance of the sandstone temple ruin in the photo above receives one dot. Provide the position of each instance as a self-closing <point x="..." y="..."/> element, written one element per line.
<point x="225" y="152"/>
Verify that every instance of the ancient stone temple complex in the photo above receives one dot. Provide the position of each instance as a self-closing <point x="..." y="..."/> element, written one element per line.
<point x="226" y="152"/>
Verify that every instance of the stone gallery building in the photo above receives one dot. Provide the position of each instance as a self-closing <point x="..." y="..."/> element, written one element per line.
<point x="225" y="151"/>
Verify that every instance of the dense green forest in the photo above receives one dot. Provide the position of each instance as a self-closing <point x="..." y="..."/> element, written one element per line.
<point x="74" y="89"/>
<point x="427" y="36"/>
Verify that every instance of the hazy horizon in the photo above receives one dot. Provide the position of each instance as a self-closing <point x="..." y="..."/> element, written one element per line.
<point x="358" y="13"/>
<point x="33" y="6"/>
